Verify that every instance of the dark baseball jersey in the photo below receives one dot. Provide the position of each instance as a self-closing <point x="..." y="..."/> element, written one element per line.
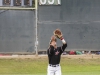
<point x="55" y="54"/>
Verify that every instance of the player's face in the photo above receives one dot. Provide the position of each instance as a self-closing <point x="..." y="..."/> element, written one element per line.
<point x="54" y="44"/>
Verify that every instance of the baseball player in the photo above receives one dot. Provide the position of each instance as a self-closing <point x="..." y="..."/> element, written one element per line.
<point x="54" y="55"/>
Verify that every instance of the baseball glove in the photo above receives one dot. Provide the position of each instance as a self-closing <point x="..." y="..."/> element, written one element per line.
<point x="58" y="33"/>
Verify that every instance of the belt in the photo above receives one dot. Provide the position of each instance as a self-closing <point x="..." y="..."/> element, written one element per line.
<point x="54" y="65"/>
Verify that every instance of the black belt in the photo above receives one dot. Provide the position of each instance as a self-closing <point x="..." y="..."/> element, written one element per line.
<point x="54" y="65"/>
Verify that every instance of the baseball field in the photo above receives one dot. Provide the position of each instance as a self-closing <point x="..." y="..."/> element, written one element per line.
<point x="38" y="66"/>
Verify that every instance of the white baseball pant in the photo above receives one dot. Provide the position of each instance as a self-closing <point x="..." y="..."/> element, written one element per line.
<point x="54" y="70"/>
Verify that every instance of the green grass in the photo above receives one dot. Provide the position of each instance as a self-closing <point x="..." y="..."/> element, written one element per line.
<point x="38" y="66"/>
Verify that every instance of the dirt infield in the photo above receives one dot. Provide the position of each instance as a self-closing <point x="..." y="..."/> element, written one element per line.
<point x="84" y="56"/>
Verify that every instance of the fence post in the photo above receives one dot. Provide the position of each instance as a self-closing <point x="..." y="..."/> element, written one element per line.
<point x="36" y="38"/>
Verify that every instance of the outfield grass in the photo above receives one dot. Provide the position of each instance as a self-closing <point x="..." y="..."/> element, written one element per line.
<point x="38" y="66"/>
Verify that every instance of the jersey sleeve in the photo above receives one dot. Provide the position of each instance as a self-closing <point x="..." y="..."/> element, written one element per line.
<point x="50" y="50"/>
<point x="62" y="48"/>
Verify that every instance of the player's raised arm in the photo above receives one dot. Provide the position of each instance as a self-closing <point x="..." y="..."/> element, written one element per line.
<point x="64" y="44"/>
<point x="59" y="35"/>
